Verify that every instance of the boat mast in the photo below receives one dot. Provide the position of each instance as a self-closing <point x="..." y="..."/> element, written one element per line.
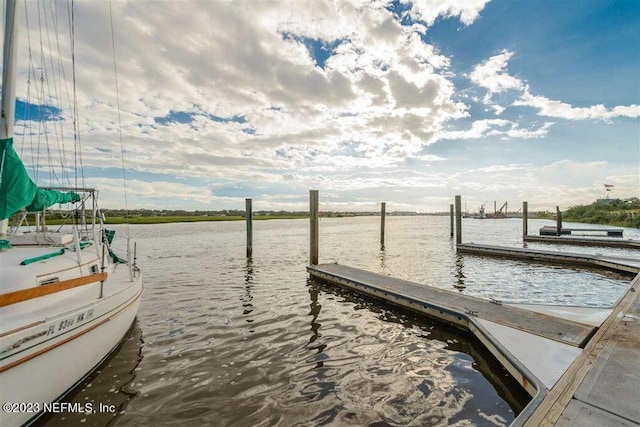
<point x="9" y="82"/>
<point x="9" y="72"/>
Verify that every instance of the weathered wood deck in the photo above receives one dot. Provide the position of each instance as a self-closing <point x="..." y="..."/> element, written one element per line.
<point x="585" y="241"/>
<point x="620" y="264"/>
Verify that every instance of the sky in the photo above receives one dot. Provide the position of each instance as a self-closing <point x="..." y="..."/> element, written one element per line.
<point x="407" y="102"/>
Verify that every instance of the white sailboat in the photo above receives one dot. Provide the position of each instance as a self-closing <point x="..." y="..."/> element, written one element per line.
<point x="66" y="299"/>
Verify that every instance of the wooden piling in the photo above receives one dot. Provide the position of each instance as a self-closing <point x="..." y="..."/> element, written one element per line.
<point x="451" y="218"/>
<point x="525" y="219"/>
<point x="314" y="202"/>
<point x="249" y="219"/>
<point x="458" y="202"/>
<point x="558" y="221"/>
<point x="383" y="211"/>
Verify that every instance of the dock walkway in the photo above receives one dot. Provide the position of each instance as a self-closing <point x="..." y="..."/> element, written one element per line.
<point x="620" y="264"/>
<point x="602" y="386"/>
<point x="435" y="302"/>
<point x="585" y="241"/>
<point x="534" y="347"/>
<point x="550" y="230"/>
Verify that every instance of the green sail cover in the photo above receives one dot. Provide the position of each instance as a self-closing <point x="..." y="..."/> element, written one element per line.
<point x="18" y="191"/>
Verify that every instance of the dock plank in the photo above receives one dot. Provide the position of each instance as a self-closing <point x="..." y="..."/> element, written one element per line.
<point x="561" y="330"/>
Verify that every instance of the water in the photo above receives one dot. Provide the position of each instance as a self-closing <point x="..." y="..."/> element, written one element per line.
<point x="222" y="340"/>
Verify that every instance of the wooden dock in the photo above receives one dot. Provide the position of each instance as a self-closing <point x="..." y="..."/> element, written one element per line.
<point x="620" y="264"/>
<point x="585" y="241"/>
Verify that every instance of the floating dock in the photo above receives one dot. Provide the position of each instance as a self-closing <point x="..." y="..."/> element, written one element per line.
<point x="542" y="349"/>
<point x="620" y="264"/>
<point x="585" y="241"/>
<point x="440" y="303"/>
<point x="535" y="348"/>
<point x="602" y="386"/>
<point x="550" y="230"/>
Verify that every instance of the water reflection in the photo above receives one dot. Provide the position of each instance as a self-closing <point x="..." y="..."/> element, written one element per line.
<point x="441" y="366"/>
<point x="459" y="273"/>
<point x="248" y="285"/>
<point x="315" y="308"/>
<point x="382" y="256"/>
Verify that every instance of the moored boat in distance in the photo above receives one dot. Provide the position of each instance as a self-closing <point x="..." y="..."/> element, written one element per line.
<point x="66" y="298"/>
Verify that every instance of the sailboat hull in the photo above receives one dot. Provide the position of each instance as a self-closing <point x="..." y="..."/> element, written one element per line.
<point x="41" y="363"/>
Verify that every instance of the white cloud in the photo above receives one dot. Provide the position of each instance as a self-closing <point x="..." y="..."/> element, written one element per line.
<point x="153" y="195"/>
<point x="492" y="74"/>
<point x="503" y="168"/>
<point x="504" y="129"/>
<point x="550" y="108"/>
<point x="383" y="85"/>
<point x="429" y="10"/>
<point x="382" y="80"/>
<point x="517" y="132"/>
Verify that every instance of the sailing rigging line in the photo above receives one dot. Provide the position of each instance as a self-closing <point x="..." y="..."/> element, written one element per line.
<point x="44" y="77"/>
<point x="115" y="71"/>
<point x="43" y="96"/>
<point x="27" y="112"/>
<point x="57" y="86"/>
<point x="57" y="133"/>
<point x="47" y="91"/>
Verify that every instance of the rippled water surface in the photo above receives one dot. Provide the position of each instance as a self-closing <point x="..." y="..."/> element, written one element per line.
<point x="223" y="340"/>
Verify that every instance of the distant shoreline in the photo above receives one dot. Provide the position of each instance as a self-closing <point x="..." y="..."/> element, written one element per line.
<point x="607" y="218"/>
<point x="174" y="219"/>
<point x="170" y="219"/>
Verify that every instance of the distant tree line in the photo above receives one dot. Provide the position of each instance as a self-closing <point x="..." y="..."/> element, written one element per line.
<point x="622" y="213"/>
<point x="133" y="213"/>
